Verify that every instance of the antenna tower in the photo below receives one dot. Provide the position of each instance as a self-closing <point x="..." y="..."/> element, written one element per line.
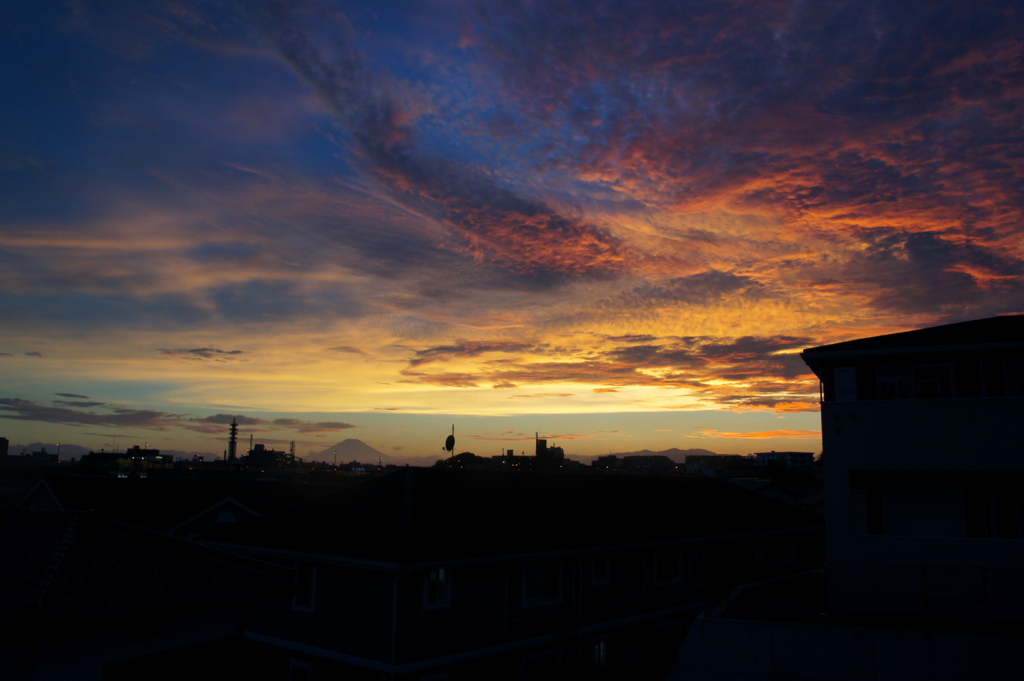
<point x="233" y="441"/>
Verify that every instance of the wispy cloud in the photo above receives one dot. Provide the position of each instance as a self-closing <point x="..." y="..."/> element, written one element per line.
<point x="113" y="415"/>
<point x="312" y="426"/>
<point x="464" y="349"/>
<point x="347" y="349"/>
<point x="79" y="403"/>
<point x="763" y="435"/>
<point x="202" y="353"/>
<point x="739" y="373"/>
<point x="26" y="410"/>
<point x="485" y="220"/>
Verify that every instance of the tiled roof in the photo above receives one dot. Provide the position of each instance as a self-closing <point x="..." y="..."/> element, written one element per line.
<point x="64" y="570"/>
<point x="992" y="330"/>
<point x="428" y="514"/>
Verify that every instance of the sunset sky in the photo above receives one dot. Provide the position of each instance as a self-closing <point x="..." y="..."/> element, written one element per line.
<point x="613" y="223"/>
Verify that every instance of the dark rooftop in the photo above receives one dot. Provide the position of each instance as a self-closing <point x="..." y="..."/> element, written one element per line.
<point x="160" y="504"/>
<point x="62" y="571"/>
<point x="424" y="515"/>
<point x="989" y="331"/>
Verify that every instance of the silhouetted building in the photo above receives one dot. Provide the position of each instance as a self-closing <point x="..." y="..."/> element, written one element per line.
<point x="547" y="458"/>
<point x="924" y="505"/>
<point x="784" y="459"/>
<point x="655" y="463"/>
<point x="261" y="457"/>
<point x="636" y="463"/>
<point x="85" y="598"/>
<point x="136" y="461"/>
<point x="719" y="465"/>
<point x="184" y="508"/>
<point x="435" y="573"/>
<point x="923" y="472"/>
<point x="40" y="456"/>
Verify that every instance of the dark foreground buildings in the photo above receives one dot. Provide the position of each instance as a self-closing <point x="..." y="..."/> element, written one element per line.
<point x="433" y="574"/>
<point x="924" y="504"/>
<point x="83" y="597"/>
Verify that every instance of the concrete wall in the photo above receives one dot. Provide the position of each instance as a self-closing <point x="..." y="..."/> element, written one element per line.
<point x="923" y="562"/>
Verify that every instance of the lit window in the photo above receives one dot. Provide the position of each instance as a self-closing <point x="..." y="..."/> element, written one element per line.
<point x="437" y="592"/>
<point x="599" y="656"/>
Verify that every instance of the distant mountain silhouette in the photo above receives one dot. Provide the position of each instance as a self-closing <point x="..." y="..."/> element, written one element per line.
<point x="676" y="454"/>
<point x="351" y="450"/>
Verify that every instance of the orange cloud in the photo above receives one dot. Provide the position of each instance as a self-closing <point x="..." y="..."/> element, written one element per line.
<point x="764" y="434"/>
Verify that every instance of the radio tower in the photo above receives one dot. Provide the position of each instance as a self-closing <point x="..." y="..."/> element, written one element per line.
<point x="233" y="441"/>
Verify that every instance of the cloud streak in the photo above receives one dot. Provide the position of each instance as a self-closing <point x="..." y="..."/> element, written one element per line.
<point x="764" y="435"/>
<point x="202" y="353"/>
<point x="485" y="219"/>
<point x="20" y="409"/>
<point x="741" y="373"/>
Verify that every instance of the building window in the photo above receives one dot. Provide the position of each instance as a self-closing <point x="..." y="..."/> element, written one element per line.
<point x="300" y="670"/>
<point x="914" y="382"/>
<point x="1013" y="378"/>
<point x="668" y="566"/>
<point x="995" y="508"/>
<point x="846" y="384"/>
<point x="600" y="570"/>
<point x="599" y="656"/>
<point x="894" y="383"/>
<point x="979" y="504"/>
<point x="932" y="382"/>
<point x="305" y="586"/>
<point x="437" y="588"/>
<point x="542" y="583"/>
